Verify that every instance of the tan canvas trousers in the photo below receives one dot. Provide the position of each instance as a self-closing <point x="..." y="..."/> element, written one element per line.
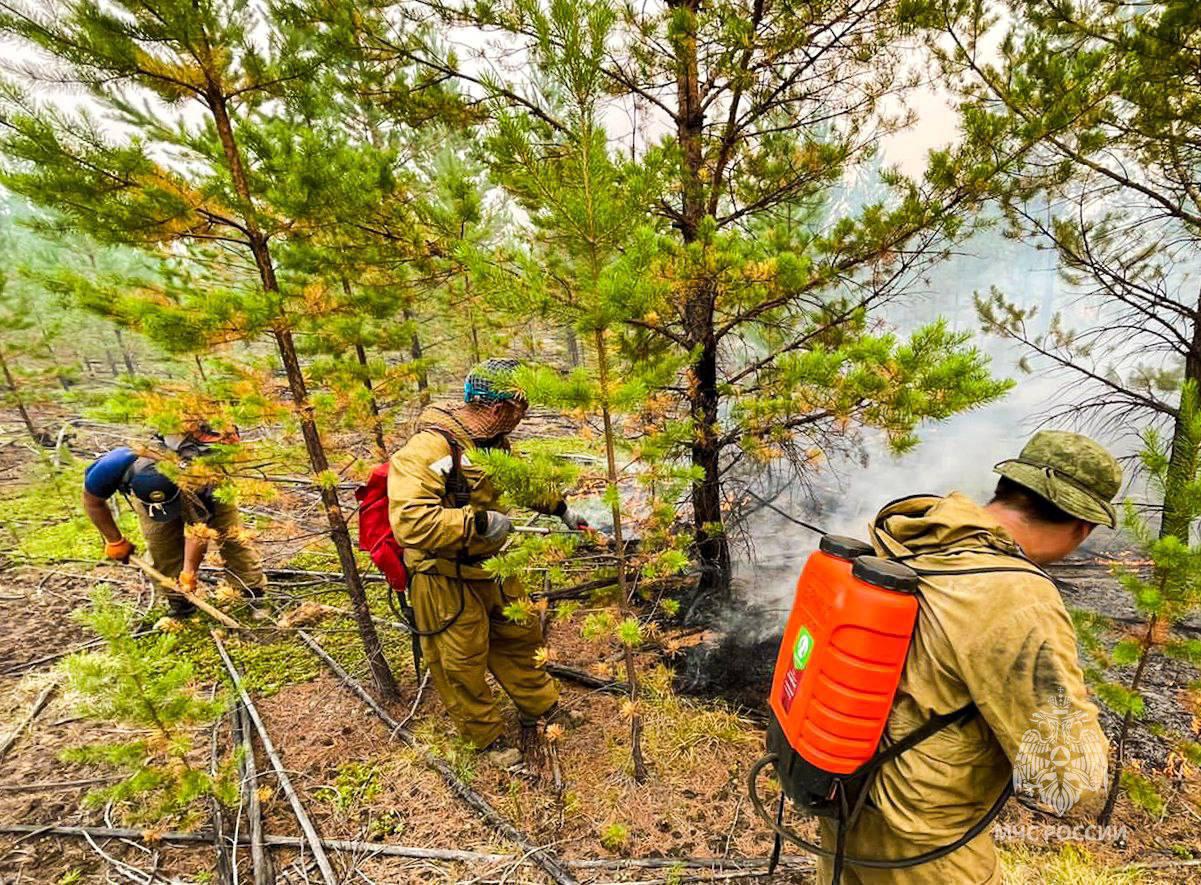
<point x="165" y="541"/>
<point x="481" y="641"/>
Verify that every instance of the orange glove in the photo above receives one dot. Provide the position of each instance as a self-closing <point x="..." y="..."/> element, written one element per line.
<point x="187" y="582"/>
<point x="119" y="550"/>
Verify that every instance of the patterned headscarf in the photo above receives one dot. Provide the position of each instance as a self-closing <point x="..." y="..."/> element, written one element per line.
<point x="482" y="423"/>
<point x="493" y="381"/>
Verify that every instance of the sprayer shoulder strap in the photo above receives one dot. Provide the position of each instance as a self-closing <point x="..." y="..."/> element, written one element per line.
<point x="457" y="486"/>
<point x="1027" y="567"/>
<point x="929" y="728"/>
<point x="940" y="721"/>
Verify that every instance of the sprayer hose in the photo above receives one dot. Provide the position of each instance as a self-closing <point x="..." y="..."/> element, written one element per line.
<point x="871" y="863"/>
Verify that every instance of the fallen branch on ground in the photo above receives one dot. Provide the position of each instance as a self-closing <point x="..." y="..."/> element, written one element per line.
<point x="132" y="873"/>
<point x="249" y="778"/>
<point x="57" y="785"/>
<point x="333" y="577"/>
<point x="1160" y="865"/>
<point x="42" y="700"/>
<point x="691" y="863"/>
<point x="224" y="861"/>
<point x="302" y="817"/>
<point x="25" y="666"/>
<point x="173" y="586"/>
<point x="587" y="679"/>
<point x="386" y="849"/>
<point x="206" y="837"/>
<point x="575" y="590"/>
<point x="542" y="856"/>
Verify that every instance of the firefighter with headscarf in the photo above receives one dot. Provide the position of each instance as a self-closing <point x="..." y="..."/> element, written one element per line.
<point x="445" y="513"/>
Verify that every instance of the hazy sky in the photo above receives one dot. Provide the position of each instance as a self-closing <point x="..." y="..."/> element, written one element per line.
<point x="935" y="120"/>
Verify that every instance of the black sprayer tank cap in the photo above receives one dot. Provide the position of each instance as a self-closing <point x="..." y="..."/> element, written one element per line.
<point x="843" y="547"/>
<point x="885" y="573"/>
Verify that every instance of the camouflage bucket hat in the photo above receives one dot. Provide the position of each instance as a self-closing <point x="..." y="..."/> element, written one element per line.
<point x="1071" y="471"/>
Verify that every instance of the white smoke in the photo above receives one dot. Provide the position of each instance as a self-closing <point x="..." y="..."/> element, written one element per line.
<point x="955" y="455"/>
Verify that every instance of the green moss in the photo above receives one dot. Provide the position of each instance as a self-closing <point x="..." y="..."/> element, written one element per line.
<point x="44" y="518"/>
<point x="356" y="783"/>
<point x="1070" y="865"/>
<point x="321" y="556"/>
<point x="266" y="664"/>
<point x="615" y="836"/>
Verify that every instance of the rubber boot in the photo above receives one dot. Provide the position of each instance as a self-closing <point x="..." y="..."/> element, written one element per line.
<point x="179" y="608"/>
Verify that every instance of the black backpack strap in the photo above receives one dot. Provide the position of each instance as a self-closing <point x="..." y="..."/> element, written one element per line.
<point x="929" y="728"/>
<point x="457" y="486"/>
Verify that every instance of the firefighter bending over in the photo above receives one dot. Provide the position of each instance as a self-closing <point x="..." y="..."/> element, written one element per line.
<point x="164" y="510"/>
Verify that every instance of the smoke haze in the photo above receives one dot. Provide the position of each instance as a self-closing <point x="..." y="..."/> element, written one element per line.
<point x="955" y="455"/>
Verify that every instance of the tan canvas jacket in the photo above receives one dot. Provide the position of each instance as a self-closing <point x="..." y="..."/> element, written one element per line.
<point x="1000" y="639"/>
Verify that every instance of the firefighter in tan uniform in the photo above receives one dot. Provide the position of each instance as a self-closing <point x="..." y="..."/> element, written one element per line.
<point x="448" y="527"/>
<point x="1001" y="640"/>
<point x="164" y="510"/>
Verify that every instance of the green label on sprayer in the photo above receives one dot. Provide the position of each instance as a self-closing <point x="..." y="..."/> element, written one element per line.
<point x="802" y="649"/>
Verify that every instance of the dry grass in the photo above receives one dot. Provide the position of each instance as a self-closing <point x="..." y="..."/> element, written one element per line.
<point x="1070" y="865"/>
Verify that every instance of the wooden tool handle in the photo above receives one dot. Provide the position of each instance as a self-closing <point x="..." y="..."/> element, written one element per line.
<point x="172" y="585"/>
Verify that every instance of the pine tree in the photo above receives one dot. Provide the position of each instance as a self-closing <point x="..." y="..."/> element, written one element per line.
<point x="144" y="684"/>
<point x="65" y="334"/>
<point x="369" y="256"/>
<point x="591" y="255"/>
<point x="1094" y="112"/>
<point x="752" y="115"/>
<point x="1167" y="596"/>
<point x="15" y="320"/>
<point x="234" y="181"/>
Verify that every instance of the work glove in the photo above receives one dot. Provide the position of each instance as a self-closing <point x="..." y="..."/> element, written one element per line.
<point x="187" y="582"/>
<point x="573" y="520"/>
<point x="492" y="526"/>
<point x="119" y="550"/>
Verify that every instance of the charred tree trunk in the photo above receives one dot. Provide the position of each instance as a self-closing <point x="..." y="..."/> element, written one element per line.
<point x="573" y="348"/>
<point x="377" y="424"/>
<point x="1182" y="467"/>
<point x="126" y="356"/>
<point x="62" y="381"/>
<point x="602" y="370"/>
<point x="476" y="356"/>
<point x="416" y="352"/>
<point x="338" y="532"/>
<point x="1115" y="784"/>
<point x="15" y="392"/>
<point x="713" y="548"/>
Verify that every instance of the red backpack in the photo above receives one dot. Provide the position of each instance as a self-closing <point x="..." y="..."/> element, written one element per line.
<point x="375" y="531"/>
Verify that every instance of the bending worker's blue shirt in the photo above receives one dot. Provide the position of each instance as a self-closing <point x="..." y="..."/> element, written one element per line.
<point x="104" y="476"/>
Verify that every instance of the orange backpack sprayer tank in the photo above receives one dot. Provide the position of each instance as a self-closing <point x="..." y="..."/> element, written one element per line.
<point x="839" y="664"/>
<point x="837" y="672"/>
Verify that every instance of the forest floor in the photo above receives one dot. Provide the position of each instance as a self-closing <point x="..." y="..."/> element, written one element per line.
<point x="703" y="730"/>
